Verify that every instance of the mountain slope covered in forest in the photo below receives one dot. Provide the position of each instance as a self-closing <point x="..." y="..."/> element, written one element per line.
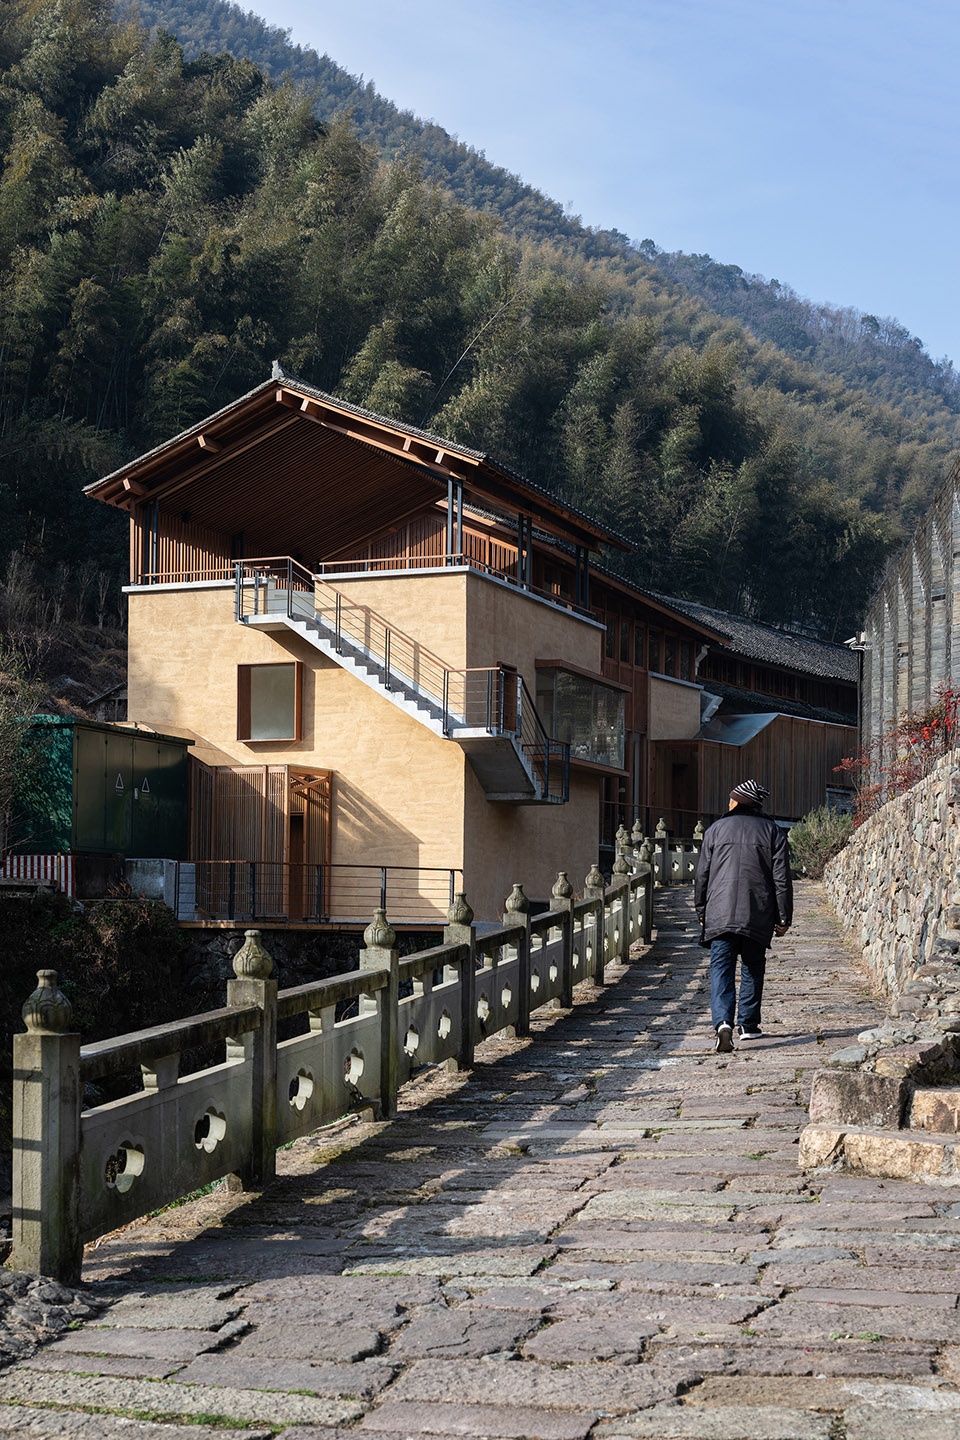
<point x="875" y="355"/>
<point x="169" y="226"/>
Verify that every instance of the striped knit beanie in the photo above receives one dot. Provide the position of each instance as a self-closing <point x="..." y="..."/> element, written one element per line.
<point x="748" y="792"/>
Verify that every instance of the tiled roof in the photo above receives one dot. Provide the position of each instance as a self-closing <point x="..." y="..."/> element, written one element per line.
<point x="755" y="641"/>
<point x="739" y="702"/>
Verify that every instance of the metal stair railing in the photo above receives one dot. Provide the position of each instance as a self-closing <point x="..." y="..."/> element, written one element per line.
<point x="492" y="698"/>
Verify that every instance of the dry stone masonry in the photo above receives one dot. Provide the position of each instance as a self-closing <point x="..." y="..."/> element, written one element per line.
<point x="889" y="1105"/>
<point x="893" y="883"/>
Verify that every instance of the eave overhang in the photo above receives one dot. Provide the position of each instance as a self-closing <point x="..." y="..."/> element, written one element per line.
<point x="411" y="466"/>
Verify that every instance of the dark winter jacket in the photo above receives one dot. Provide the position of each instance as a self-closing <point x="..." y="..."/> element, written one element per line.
<point x="743" y="884"/>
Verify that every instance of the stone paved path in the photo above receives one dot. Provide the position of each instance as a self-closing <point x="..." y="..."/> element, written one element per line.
<point x="600" y="1232"/>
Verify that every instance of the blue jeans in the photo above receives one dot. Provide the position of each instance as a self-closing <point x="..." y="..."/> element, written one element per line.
<point x="723" y="980"/>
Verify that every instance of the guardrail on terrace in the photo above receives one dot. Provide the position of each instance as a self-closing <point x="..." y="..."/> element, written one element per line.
<point x="276" y="890"/>
<point x="79" y="1173"/>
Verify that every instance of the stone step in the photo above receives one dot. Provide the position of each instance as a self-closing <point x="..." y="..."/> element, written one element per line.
<point x="936" y="1110"/>
<point x="891" y="1154"/>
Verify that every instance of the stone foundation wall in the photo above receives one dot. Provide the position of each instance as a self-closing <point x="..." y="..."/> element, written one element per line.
<point x="891" y="885"/>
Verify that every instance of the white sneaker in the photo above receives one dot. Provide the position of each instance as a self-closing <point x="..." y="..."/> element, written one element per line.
<point x="724" y="1039"/>
<point x="749" y="1032"/>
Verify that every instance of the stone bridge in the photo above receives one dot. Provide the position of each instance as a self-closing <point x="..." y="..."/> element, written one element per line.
<point x="598" y="1231"/>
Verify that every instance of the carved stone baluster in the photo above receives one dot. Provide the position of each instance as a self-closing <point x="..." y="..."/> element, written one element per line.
<point x="254" y="985"/>
<point x="381" y="953"/>
<point x="459" y="930"/>
<point x="594" y="889"/>
<point x="46" y="1137"/>
<point x="562" y="893"/>
<point x="516" y="911"/>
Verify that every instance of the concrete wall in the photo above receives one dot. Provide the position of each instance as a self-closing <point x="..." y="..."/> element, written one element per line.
<point x="892" y="883"/>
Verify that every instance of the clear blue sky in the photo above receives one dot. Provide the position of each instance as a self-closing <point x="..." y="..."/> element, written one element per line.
<point x="814" y="141"/>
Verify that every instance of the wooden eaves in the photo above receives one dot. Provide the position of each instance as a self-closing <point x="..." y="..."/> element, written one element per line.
<point x="273" y="407"/>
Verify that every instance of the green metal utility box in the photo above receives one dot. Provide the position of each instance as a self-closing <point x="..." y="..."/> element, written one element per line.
<point x="102" y="789"/>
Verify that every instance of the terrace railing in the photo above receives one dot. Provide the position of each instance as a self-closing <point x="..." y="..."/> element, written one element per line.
<point x="83" y="1170"/>
<point x="268" y="890"/>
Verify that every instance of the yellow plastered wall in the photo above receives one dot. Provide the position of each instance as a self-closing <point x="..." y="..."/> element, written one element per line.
<point x="397" y="789"/>
<point x="401" y="794"/>
<point x="674" y="710"/>
<point x="431" y="609"/>
<point x="527" y="843"/>
<point x="504" y="844"/>
<point x="507" y="626"/>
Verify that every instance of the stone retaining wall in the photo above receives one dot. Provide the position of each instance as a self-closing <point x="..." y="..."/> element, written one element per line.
<point x="891" y="884"/>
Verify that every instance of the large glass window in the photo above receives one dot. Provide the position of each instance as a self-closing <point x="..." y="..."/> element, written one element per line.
<point x="268" y="701"/>
<point x="585" y="712"/>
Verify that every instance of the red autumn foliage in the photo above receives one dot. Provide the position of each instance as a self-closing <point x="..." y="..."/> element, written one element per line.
<point x="905" y="754"/>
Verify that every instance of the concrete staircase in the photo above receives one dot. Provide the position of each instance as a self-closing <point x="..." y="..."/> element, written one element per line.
<point x="512" y="762"/>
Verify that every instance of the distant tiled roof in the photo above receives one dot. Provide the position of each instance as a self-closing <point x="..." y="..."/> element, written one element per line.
<point x="755" y="641"/>
<point x="750" y="702"/>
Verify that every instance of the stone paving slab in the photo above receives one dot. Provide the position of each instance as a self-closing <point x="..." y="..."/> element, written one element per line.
<point x="746" y="1356"/>
<point x="144" y="1397"/>
<point x="152" y="1345"/>
<point x="869" y="1422"/>
<point x="493" y="1421"/>
<point x="682" y="1422"/>
<point x="588" y="1386"/>
<point x="236" y="1371"/>
<point x="24" y="1423"/>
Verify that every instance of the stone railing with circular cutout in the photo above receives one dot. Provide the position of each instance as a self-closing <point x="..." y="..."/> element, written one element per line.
<point x="79" y="1173"/>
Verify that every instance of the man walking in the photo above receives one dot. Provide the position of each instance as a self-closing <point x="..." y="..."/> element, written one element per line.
<point x="743" y="896"/>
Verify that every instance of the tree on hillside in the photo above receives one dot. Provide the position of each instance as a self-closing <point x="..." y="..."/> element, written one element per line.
<point x="19" y="698"/>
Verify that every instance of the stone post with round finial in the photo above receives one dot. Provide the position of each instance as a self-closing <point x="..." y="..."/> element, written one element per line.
<point x="649" y="879"/>
<point x="621" y="901"/>
<point x="594" y="889"/>
<point x="516" y="911"/>
<point x="562" y="902"/>
<point x="254" y="984"/>
<point x="459" y="930"/>
<point x="636" y="837"/>
<point x="46" y="1137"/>
<point x="661" y="841"/>
<point x="381" y="953"/>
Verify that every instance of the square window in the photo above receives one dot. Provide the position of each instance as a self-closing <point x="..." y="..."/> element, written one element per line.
<point x="269" y="701"/>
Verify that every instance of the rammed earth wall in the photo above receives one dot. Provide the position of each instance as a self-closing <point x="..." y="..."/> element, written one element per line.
<point x="891" y="884"/>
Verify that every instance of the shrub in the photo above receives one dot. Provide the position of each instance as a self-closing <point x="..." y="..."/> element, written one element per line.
<point x="817" y="838"/>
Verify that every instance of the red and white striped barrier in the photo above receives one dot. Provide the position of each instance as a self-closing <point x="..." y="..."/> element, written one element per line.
<point x="54" y="870"/>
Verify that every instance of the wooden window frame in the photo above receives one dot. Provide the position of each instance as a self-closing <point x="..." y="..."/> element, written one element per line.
<point x="243" y="702"/>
